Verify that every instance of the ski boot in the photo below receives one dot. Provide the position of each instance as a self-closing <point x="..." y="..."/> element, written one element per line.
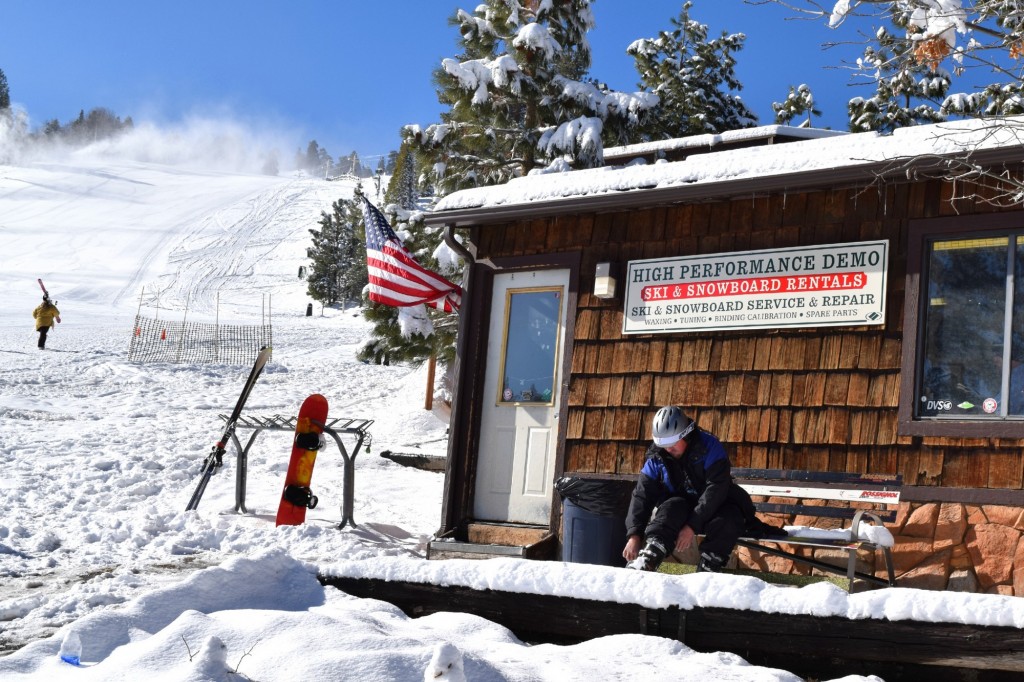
<point x="711" y="562"/>
<point x="650" y="557"/>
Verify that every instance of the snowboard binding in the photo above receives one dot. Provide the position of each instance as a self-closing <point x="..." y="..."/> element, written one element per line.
<point x="310" y="440"/>
<point x="300" y="496"/>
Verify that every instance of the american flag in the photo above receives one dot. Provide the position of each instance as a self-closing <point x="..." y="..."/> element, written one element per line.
<point x="396" y="279"/>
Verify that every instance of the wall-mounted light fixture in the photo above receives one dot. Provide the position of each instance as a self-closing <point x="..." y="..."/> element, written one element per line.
<point x="604" y="281"/>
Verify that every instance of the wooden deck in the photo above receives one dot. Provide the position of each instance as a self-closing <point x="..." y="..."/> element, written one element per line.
<point x="809" y="646"/>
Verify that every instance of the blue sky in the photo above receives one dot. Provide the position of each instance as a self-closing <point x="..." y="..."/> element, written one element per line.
<point x="348" y="74"/>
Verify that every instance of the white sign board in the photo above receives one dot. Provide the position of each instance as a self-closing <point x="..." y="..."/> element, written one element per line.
<point x="816" y="286"/>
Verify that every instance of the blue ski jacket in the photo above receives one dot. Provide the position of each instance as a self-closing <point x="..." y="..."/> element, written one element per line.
<point x="703" y="475"/>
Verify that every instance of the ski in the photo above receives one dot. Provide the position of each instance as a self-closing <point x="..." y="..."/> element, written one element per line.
<point x="216" y="457"/>
<point x="46" y="294"/>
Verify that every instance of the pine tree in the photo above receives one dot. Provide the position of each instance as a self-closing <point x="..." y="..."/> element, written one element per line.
<point x="908" y="92"/>
<point x="517" y="99"/>
<point x="5" y="92"/>
<point x="354" y="167"/>
<point x="402" y="188"/>
<point x="800" y="101"/>
<point x="692" y="77"/>
<point x="916" y="64"/>
<point x="338" y="254"/>
<point x="316" y="161"/>
<point x="100" y="123"/>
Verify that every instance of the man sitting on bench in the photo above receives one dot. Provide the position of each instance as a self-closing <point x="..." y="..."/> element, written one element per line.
<point x="686" y="489"/>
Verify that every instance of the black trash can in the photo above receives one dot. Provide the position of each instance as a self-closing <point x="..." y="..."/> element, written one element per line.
<point x="593" y="520"/>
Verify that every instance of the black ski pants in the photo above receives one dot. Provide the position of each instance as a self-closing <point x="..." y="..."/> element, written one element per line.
<point x="720" y="533"/>
<point x="42" y="336"/>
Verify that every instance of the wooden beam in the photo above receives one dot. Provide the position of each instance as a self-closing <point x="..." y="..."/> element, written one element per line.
<point x="809" y="646"/>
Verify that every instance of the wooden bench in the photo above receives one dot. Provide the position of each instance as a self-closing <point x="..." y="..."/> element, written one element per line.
<point x="858" y="497"/>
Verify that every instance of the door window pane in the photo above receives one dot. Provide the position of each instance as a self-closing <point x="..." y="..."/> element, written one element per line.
<point x="964" y="354"/>
<point x="529" y="345"/>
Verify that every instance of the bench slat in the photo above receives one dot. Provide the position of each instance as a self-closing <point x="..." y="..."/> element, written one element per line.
<point x="891" y="497"/>
<point x="818" y="476"/>
<point x="817" y="542"/>
<point x="819" y="510"/>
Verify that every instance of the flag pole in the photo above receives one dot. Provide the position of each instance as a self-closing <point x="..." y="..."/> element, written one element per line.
<point x="428" y="404"/>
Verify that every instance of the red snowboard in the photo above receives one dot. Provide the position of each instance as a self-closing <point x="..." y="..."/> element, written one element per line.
<point x="309" y="427"/>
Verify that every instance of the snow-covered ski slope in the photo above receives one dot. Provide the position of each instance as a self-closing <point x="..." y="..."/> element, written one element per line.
<point x="100" y="233"/>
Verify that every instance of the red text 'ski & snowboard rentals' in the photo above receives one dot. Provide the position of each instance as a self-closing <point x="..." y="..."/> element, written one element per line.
<point x="309" y="438"/>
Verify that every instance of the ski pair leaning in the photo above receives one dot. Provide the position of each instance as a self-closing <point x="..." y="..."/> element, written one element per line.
<point x="216" y="457"/>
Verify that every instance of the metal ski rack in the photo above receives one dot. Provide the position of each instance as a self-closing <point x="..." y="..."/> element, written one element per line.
<point x="335" y="428"/>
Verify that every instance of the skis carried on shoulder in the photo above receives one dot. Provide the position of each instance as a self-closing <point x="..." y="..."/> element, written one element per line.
<point x="47" y="294"/>
<point x="216" y="457"/>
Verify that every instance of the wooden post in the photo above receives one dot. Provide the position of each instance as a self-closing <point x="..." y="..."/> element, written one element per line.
<point x="428" y="404"/>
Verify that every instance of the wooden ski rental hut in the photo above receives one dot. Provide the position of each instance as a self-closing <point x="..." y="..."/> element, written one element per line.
<point x="818" y="300"/>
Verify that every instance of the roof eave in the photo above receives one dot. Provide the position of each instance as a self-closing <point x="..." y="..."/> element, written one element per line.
<point x="660" y="196"/>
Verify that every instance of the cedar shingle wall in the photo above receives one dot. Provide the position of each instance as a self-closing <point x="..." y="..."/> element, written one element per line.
<point x="817" y="398"/>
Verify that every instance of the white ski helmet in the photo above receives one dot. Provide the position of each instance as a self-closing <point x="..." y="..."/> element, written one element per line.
<point x="671" y="426"/>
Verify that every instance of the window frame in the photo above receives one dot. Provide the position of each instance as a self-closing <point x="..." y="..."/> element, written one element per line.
<point x="510" y="293"/>
<point x="919" y="232"/>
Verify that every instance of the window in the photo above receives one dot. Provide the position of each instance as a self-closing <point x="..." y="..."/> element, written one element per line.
<point x="964" y="333"/>
<point x="529" y="345"/>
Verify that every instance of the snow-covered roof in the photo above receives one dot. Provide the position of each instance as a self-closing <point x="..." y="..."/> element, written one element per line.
<point x="729" y="138"/>
<point x="817" y="162"/>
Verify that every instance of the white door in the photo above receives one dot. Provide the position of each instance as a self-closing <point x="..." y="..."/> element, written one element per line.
<point x="519" y="416"/>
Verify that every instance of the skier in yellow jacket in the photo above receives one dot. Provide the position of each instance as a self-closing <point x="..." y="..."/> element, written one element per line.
<point x="45" y="314"/>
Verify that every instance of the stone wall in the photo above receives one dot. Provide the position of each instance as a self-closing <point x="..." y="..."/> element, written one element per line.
<point x="960" y="547"/>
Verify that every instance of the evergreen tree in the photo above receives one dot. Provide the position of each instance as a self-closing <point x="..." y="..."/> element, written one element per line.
<point x="517" y="99"/>
<point x="100" y="123"/>
<point x="402" y="188"/>
<point x="913" y="87"/>
<point x="982" y="36"/>
<point x="316" y="161"/>
<point x="908" y="92"/>
<point x="354" y="167"/>
<point x="800" y="101"/>
<point x="5" y="92"/>
<point x="692" y="77"/>
<point x="338" y="254"/>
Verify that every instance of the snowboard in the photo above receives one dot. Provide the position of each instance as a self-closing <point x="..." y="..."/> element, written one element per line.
<point x="297" y="497"/>
<point x="216" y="457"/>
